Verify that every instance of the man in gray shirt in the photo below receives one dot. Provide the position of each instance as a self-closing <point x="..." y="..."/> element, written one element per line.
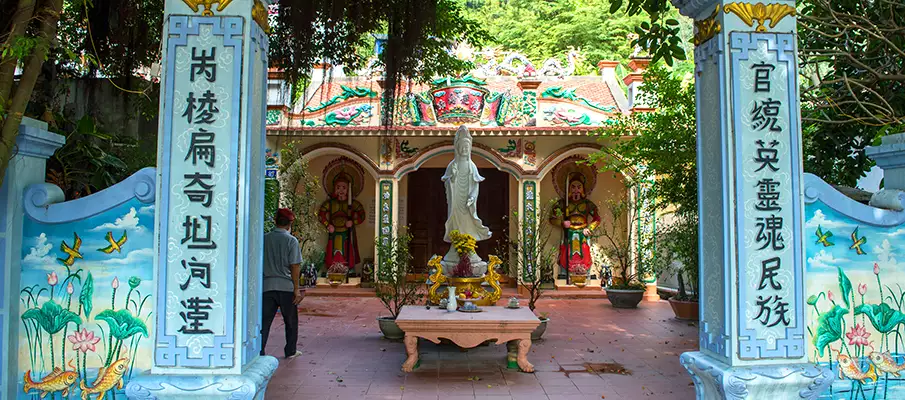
<point x="282" y="266"/>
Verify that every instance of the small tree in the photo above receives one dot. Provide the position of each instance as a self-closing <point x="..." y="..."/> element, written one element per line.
<point x="298" y="192"/>
<point x="679" y="254"/>
<point x="394" y="289"/>
<point x="630" y="253"/>
<point x="534" y="256"/>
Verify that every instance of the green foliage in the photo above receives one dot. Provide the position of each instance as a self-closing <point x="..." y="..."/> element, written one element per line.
<point x="664" y="141"/>
<point x="545" y="29"/>
<point x="122" y="324"/>
<point x="632" y="255"/>
<point x="51" y="317"/>
<point x="851" y="62"/>
<point x="298" y="192"/>
<point x="661" y="33"/>
<point x="677" y="252"/>
<point x="92" y="159"/>
<point x="271" y="202"/>
<point x="829" y="328"/>
<point x="85" y="296"/>
<point x="394" y="289"/>
<point x="883" y="318"/>
<point x="835" y="151"/>
<point x="536" y="256"/>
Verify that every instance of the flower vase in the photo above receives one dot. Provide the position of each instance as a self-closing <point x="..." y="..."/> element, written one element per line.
<point x="451" y="303"/>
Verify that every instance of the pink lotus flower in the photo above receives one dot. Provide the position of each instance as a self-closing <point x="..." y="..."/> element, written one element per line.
<point x="115" y="282"/>
<point x="52" y="279"/>
<point x="862" y="289"/>
<point x="69" y="288"/>
<point x="876" y="269"/>
<point x="83" y="340"/>
<point x="858" y="335"/>
<point x="829" y="295"/>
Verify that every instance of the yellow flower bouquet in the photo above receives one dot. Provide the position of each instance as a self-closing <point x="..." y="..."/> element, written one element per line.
<point x="463" y="243"/>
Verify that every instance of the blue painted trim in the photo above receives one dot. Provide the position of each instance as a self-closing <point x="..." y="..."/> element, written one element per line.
<point x="35" y="142"/>
<point x="222" y="353"/>
<point x="712" y="338"/>
<point x="43" y="202"/>
<point x="816" y="189"/>
<point x="793" y="344"/>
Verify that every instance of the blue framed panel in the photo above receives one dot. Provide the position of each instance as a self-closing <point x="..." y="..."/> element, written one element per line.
<point x="747" y="51"/>
<point x="214" y="350"/>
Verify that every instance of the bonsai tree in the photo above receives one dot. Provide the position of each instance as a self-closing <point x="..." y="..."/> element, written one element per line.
<point x="534" y="255"/>
<point x="628" y="248"/>
<point x="394" y="289"/>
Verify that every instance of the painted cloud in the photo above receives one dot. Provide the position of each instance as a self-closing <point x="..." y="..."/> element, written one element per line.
<point x="127" y="222"/>
<point x="39" y="253"/>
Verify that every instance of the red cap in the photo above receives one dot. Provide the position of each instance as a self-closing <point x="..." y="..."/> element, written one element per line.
<point x="286" y="213"/>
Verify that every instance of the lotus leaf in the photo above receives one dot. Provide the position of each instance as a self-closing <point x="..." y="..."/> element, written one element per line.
<point x="85" y="296"/>
<point x="122" y="323"/>
<point x="845" y="285"/>
<point x="812" y="299"/>
<point x="881" y="316"/>
<point x="829" y="328"/>
<point x="51" y="317"/>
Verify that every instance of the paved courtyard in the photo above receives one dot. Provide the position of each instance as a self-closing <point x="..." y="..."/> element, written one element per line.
<point x="590" y="351"/>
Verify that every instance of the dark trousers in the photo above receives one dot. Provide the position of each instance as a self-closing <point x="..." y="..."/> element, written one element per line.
<point x="282" y="300"/>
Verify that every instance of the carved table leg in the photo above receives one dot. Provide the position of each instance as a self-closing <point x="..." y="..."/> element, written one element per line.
<point x="523" y="346"/>
<point x="512" y="354"/>
<point x="411" y="349"/>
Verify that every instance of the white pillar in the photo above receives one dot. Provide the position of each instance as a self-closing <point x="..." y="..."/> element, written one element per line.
<point x="210" y="204"/>
<point x="34" y="145"/>
<point x="752" y="330"/>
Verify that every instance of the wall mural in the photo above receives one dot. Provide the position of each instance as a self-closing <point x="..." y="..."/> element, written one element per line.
<point x="856" y="294"/>
<point x="86" y="299"/>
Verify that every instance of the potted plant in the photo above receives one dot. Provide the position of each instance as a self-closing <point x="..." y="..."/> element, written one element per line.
<point x="393" y="288"/>
<point x="578" y="275"/>
<point x="534" y="260"/>
<point x="679" y="255"/>
<point x="629" y="251"/>
<point x="336" y="274"/>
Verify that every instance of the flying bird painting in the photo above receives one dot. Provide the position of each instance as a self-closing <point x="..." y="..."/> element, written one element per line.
<point x="71" y="252"/>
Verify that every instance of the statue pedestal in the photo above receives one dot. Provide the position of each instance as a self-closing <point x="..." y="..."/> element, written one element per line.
<point x="451" y="259"/>
<point x="716" y="380"/>
<point x="486" y="286"/>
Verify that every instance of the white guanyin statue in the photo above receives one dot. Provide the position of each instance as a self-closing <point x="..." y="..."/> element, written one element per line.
<point x="461" y="181"/>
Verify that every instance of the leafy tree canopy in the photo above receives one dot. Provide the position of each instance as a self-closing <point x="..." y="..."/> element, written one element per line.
<point x="545" y="29"/>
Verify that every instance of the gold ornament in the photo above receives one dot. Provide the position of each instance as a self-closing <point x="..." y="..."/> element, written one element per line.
<point x="492" y="278"/>
<point x="760" y="12"/>
<point x="208" y="5"/>
<point x="707" y="28"/>
<point x="259" y="14"/>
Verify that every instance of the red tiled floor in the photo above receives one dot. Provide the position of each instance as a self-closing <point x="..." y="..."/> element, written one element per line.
<point x="345" y="357"/>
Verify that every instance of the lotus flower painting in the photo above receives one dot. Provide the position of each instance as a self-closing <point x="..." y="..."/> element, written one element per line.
<point x="855" y="309"/>
<point x="86" y="302"/>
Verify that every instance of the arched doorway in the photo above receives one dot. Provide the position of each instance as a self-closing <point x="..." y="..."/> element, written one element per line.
<point x="423" y="205"/>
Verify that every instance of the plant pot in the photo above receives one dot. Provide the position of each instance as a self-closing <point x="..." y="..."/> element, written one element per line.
<point x="336" y="279"/>
<point x="579" y="280"/>
<point x="389" y="328"/>
<point x="624" y="298"/>
<point x="685" y="310"/>
<point x="539" y="331"/>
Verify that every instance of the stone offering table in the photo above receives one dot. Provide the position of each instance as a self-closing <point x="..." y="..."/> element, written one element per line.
<point x="467" y="330"/>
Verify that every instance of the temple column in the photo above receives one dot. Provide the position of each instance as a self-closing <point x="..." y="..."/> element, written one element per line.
<point x="387" y="198"/>
<point x="529" y="201"/>
<point x="210" y="202"/>
<point x="34" y="145"/>
<point x="752" y="329"/>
